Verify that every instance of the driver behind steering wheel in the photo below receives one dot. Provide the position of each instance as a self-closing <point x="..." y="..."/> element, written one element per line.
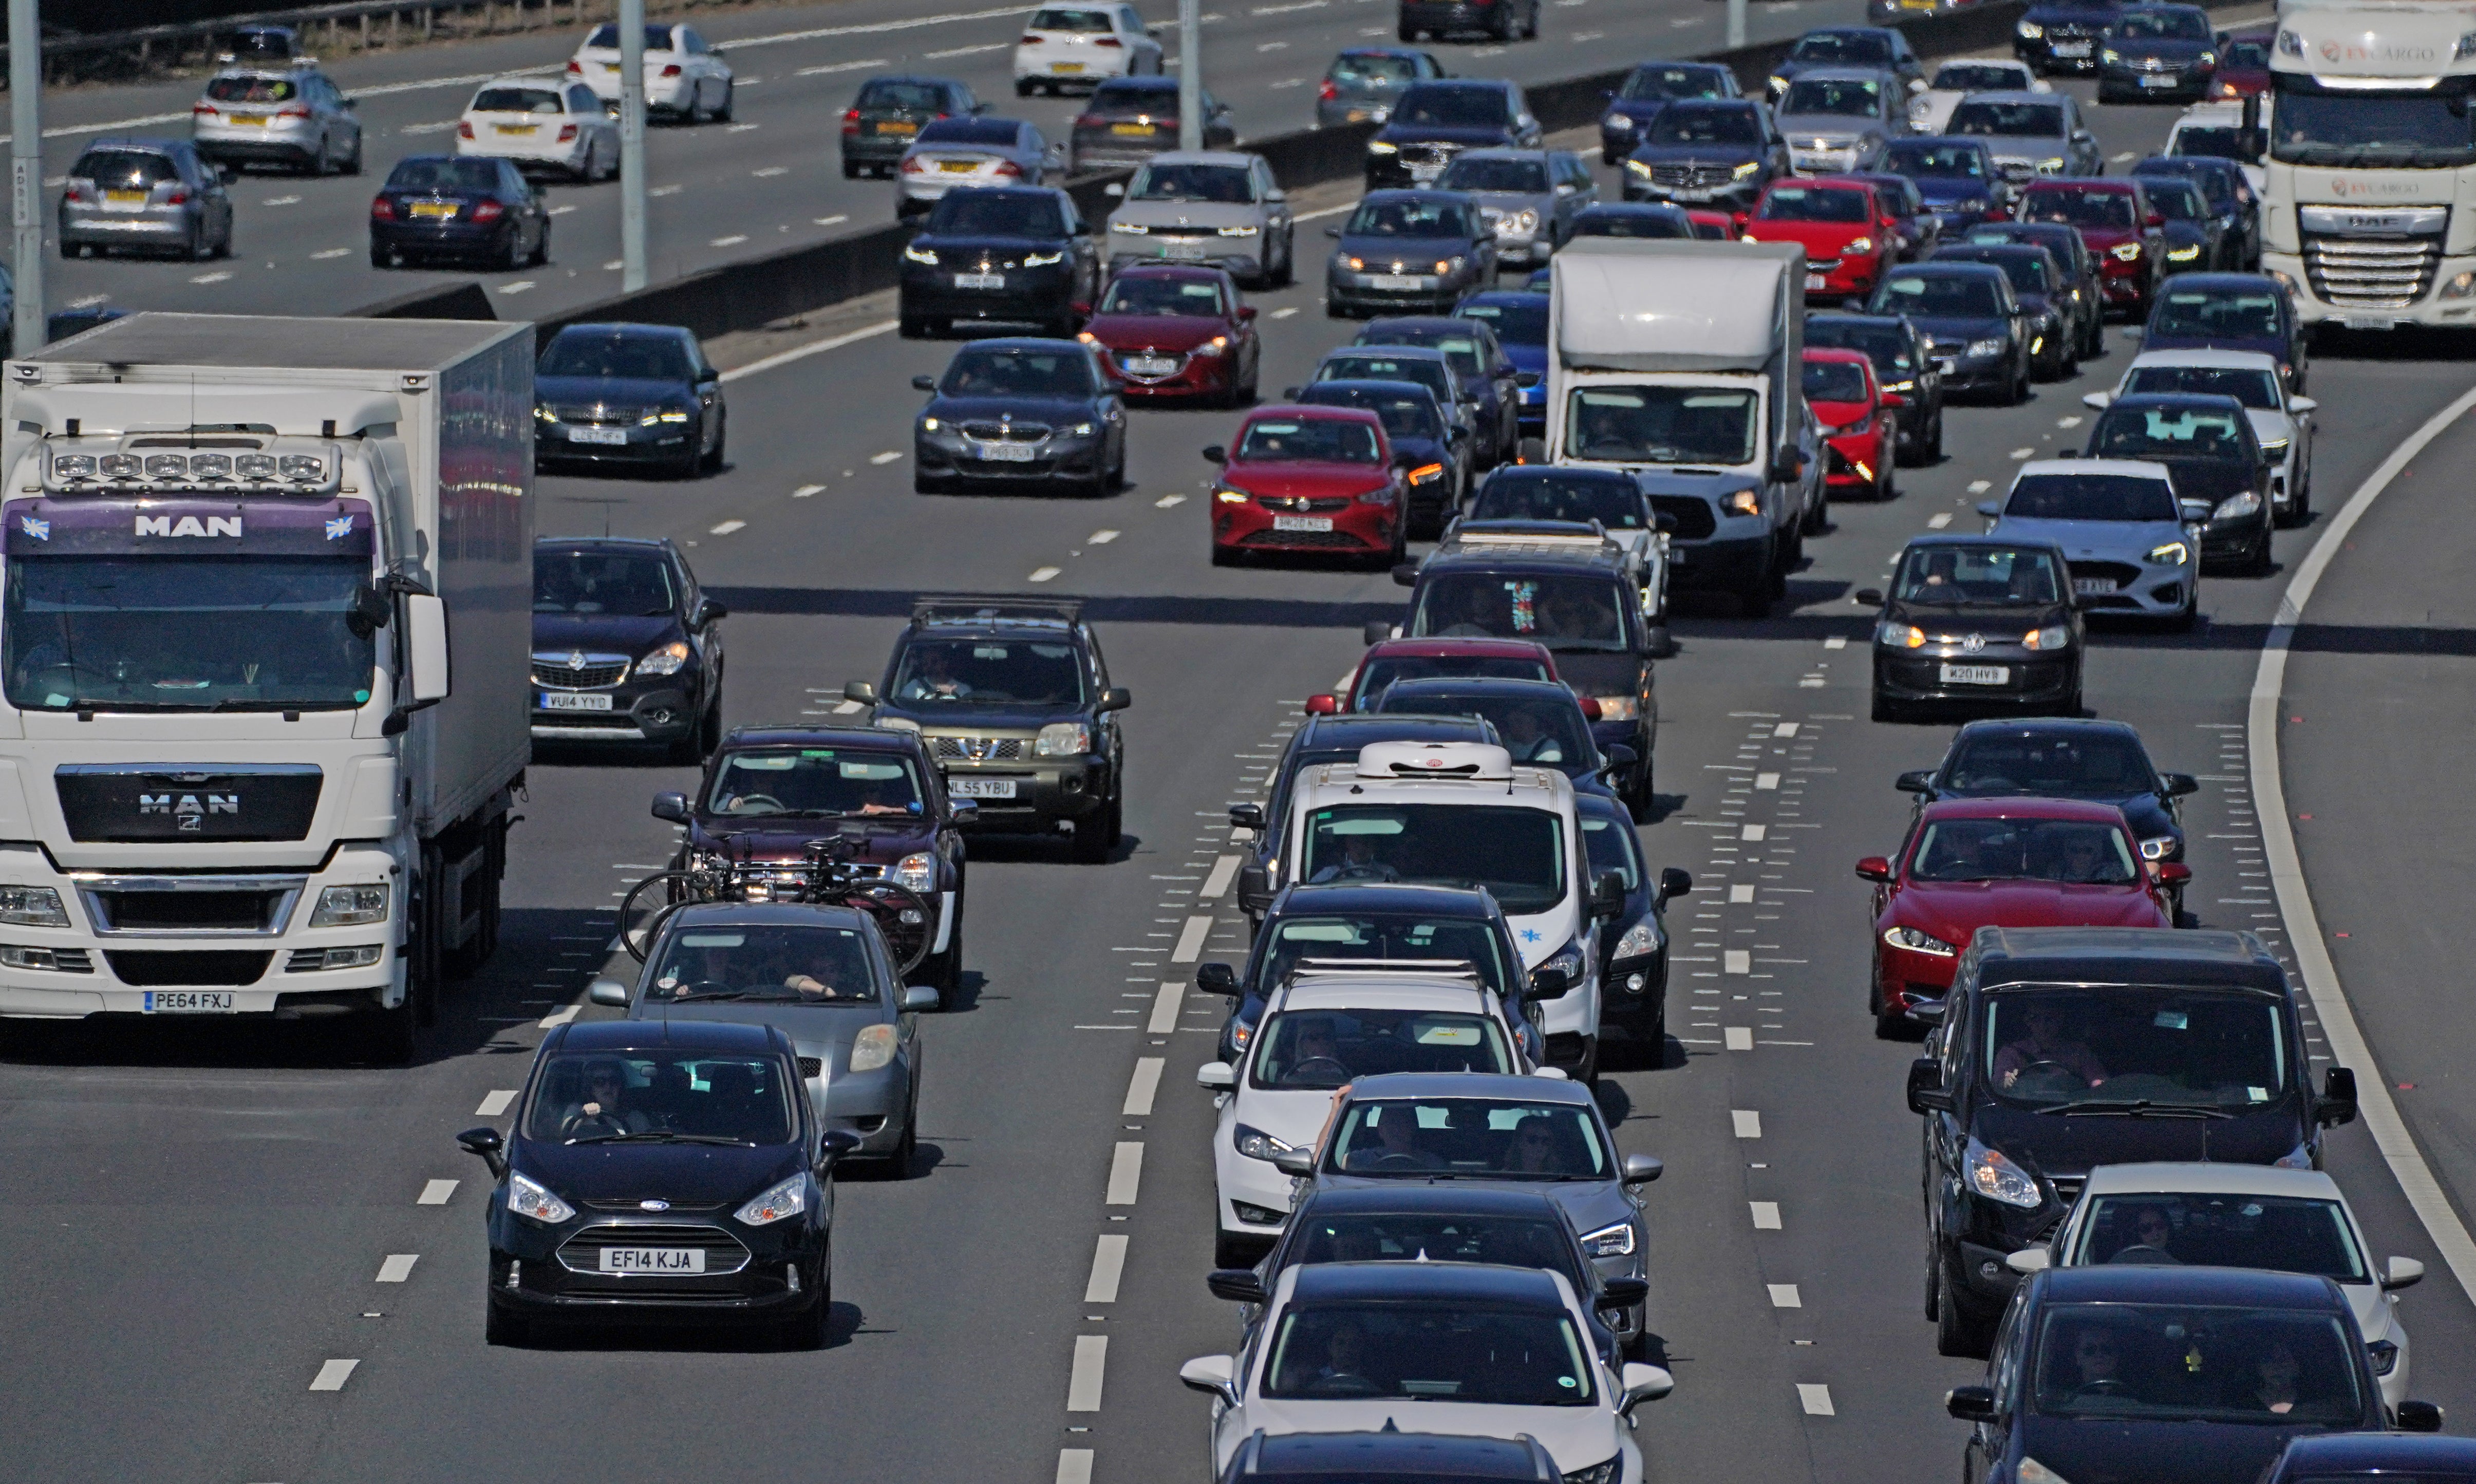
<point x="2048" y="1042"/>
<point x="603" y="1109"/>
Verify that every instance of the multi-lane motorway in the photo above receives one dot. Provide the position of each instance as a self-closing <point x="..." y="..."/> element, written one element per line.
<point x="232" y="1261"/>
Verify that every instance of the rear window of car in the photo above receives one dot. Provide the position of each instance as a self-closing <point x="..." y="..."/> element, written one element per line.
<point x="970" y="131"/>
<point x="907" y="97"/>
<point x="1622" y="222"/>
<point x="1812" y="204"/>
<point x="1370" y="66"/>
<point x="252" y="89"/>
<point x="1060" y="18"/>
<point x="482" y="174"/>
<point x="516" y="100"/>
<point x="127" y="168"/>
<point x="1149" y="95"/>
<point x="657" y="39"/>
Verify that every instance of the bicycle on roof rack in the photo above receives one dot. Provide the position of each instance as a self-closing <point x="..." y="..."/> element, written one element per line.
<point x="827" y="877"/>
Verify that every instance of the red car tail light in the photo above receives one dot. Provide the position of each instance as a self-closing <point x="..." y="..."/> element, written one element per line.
<point x="575" y="68"/>
<point x="1108" y="41"/>
<point x="1329" y="91"/>
<point x="672" y="70"/>
<point x="851" y="120"/>
<point x="294" y="110"/>
<point x="207" y="110"/>
<point x="1009" y="169"/>
<point x="381" y="210"/>
<point x="1029" y="40"/>
<point x="465" y="129"/>
<point x="179" y="195"/>
<point x="489" y="212"/>
<point x="912" y="165"/>
<point x="566" y="133"/>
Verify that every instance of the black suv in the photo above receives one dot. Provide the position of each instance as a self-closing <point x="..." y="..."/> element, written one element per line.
<point x="1435" y="121"/>
<point x="626" y="647"/>
<point x="2062" y="1049"/>
<point x="1320" y="740"/>
<point x="1014" y="702"/>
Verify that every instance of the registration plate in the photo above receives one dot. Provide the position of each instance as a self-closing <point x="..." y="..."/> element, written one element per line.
<point x="980" y="281"/>
<point x="1976" y="674"/>
<point x="1192" y="252"/>
<point x="191" y="1002"/>
<point x="2071" y="48"/>
<point x="1066" y="66"/>
<point x="259" y="119"/>
<point x="2158" y="82"/>
<point x="517" y="128"/>
<point x="610" y="66"/>
<point x="980" y="788"/>
<point x="1302" y="523"/>
<point x="1005" y="453"/>
<point x="1814" y="281"/>
<point x="125" y="197"/>
<point x="896" y="126"/>
<point x="433" y="211"/>
<point x="2092" y="587"/>
<point x="1135" y="130"/>
<point x="1150" y="365"/>
<point x="614" y="436"/>
<point x="652" y="1259"/>
<point x="559" y="701"/>
<point x="1397" y="281"/>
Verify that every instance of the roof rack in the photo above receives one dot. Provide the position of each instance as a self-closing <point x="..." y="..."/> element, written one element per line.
<point x="1582" y="537"/>
<point x="1384" y="968"/>
<point x="994" y="609"/>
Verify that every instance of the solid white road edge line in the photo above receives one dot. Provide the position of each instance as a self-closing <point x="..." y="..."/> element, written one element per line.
<point x="2347" y="1044"/>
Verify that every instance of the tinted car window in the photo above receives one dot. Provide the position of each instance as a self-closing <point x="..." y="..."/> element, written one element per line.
<point x="2126" y="496"/>
<point x="1851" y="48"/>
<point x="907" y="97"/>
<point x="1509" y="1140"/>
<point x="1434" y="375"/>
<point x="1978" y="575"/>
<point x="2080" y="208"/>
<point x="1409" y="217"/>
<point x="1507" y="175"/>
<point x="1615" y="222"/>
<point x="1404" y="416"/>
<point x="767" y="961"/>
<point x="1369" y="66"/>
<point x="1309" y="440"/>
<point x="632" y="357"/>
<point x="2095" y="765"/>
<point x="1831" y="95"/>
<point x="1466" y="107"/>
<point x="1514" y="323"/>
<point x="517" y="100"/>
<point x="1017" y="373"/>
<point x="126" y="169"/>
<point x="1184" y="181"/>
<point x="1145" y="94"/>
<point x="2161" y="433"/>
<point x="2178" y="200"/>
<point x="589" y="1098"/>
<point x="1704" y="126"/>
<point x="1808" y="204"/>
<point x="1060" y="18"/>
<point x="1663" y="425"/>
<point x="1834" y="381"/>
<point x="594" y="582"/>
<point x="1657" y="81"/>
<point x="1975" y="77"/>
<point x="657" y="39"/>
<point x="1365" y="1236"/>
<point x="2144" y="1362"/>
<point x="812" y="780"/>
<point x="2241" y="312"/>
<point x="2075" y="852"/>
<point x="2027" y="271"/>
<point x="2256" y="389"/>
<point x="252" y="89"/>
<point x="473" y="175"/>
<point x="1885" y="345"/>
<point x="1460" y="346"/>
<point x="1517" y="854"/>
<point x="1953" y="297"/>
<point x="1943" y="161"/>
<point x="970" y="131"/>
<point x="990" y="213"/>
<point x="2163" y="25"/>
<point x="1430" y="1350"/>
<point x="1139" y="295"/>
<point x="2007" y="120"/>
<point x="1616" y="504"/>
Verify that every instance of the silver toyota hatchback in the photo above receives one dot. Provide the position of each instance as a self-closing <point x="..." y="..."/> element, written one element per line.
<point x="150" y="193"/>
<point x="293" y="118"/>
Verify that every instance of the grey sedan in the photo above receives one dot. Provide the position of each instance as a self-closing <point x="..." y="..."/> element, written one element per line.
<point x="820" y="973"/>
<point x="1839" y="118"/>
<point x="1529" y="196"/>
<point x="150" y="193"/>
<point x="1213" y="207"/>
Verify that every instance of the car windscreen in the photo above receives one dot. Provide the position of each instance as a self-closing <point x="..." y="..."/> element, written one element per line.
<point x="517" y="100"/>
<point x="993" y="213"/>
<point x="1844" y="48"/>
<point x="1017" y="373"/>
<point x="1309" y="440"/>
<point x="2028" y="270"/>
<point x="1460" y="346"/>
<point x="126" y="169"/>
<point x="2101" y="209"/>
<point x="1540" y="1242"/>
<point x="587" y="581"/>
<point x="1431" y="1350"/>
<point x="1937" y="295"/>
<point x="1462" y="107"/>
<point x="1405" y="414"/>
<point x="889" y="96"/>
<point x="1376" y="367"/>
<point x="1502" y="1138"/>
<point x="2214" y="181"/>
<point x="1704" y="126"/>
<point x="1523" y="176"/>
<point x="1835" y="380"/>
<point x="662" y="1097"/>
<point x="1978" y="77"/>
<point x="1943" y="161"/>
<point x="1843" y="96"/>
<point x="2243" y="54"/>
<point x="2171" y="433"/>
<point x="480" y="176"/>
<point x="616" y="355"/>
<point x="2256" y="390"/>
<point x="1612" y="844"/>
<point x="793" y="964"/>
<point x="2108" y="497"/>
<point x="2000" y="120"/>
<point x="2210" y="141"/>
<point x="1581" y="612"/>
<point x="2144" y="24"/>
<point x="1138" y="294"/>
<point x="1976" y="576"/>
<point x="1617" y="222"/>
<point x="1409" y="216"/>
<point x="2123" y="1363"/>
<point x="2222" y="1230"/>
<point x="2176" y="200"/>
<point x="1063" y="18"/>
<point x="2078" y="853"/>
<point x="1374" y="675"/>
<point x="1662" y="424"/>
<point x="252" y="89"/>
<point x="1887" y="345"/>
<point x="813" y="780"/>
<point x="1812" y="204"/>
<point x="999" y="671"/>
<point x="2229" y="313"/>
<point x="2167" y="1047"/>
<point x="1373" y="67"/>
<point x="1329" y="1048"/>
<point x="1289" y="938"/>
<point x="1655" y="82"/>
<point x="2092" y="765"/>
<point x="1189" y="181"/>
<point x="1544" y="492"/>
<point x="999" y="133"/>
<point x="1550" y="732"/>
<point x="1515" y="321"/>
<point x="1515" y="851"/>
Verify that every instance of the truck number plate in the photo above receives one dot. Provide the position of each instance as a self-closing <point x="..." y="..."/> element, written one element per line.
<point x="559" y="701"/>
<point x="1976" y="674"/>
<point x="614" y="436"/>
<point x="980" y="788"/>
<point x="652" y="1259"/>
<point x="191" y="1002"/>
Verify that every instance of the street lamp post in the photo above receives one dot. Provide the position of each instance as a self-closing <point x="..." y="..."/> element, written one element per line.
<point x="632" y="145"/>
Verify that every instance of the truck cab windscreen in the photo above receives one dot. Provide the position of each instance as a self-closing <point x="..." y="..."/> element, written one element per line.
<point x="2432" y="129"/>
<point x="1662" y="424"/>
<point x="162" y="633"/>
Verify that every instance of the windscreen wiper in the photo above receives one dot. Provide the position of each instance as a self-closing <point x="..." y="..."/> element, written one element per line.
<point x="2134" y="1107"/>
<point x="663" y="1136"/>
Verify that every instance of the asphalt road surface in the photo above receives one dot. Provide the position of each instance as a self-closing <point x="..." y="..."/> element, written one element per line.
<point x="201" y="1220"/>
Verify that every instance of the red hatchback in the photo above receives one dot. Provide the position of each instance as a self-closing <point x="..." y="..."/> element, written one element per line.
<point x="1387" y="660"/>
<point x="2124" y="233"/>
<point x="1976" y="863"/>
<point x="2243" y="64"/>
<point x="1308" y="478"/>
<point x="1858" y="427"/>
<point x="1176" y="333"/>
<point x="1848" y="237"/>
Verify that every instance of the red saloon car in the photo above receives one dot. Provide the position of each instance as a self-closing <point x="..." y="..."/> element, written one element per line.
<point x="2243" y="64"/>
<point x="2124" y="233"/>
<point x="1417" y="659"/>
<point x="1308" y="480"/>
<point x="1858" y="425"/>
<point x="1176" y="333"/>
<point x="1849" y="235"/>
<point x="1976" y="863"/>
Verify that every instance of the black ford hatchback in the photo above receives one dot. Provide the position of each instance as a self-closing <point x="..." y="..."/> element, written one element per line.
<point x="661" y="1172"/>
<point x="2061" y="1049"/>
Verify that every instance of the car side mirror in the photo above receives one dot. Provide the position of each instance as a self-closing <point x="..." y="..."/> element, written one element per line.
<point x="1405" y="575"/>
<point x="1215" y="453"/>
<point x="2193" y="511"/>
<point x="964" y="811"/>
<point x="1918" y="780"/>
<point x="1644" y="1383"/>
<point x="486" y="1145"/>
<point x="2418" y="1417"/>
<point x="2337" y="1104"/>
<point x="833" y="1146"/>
<point x="917" y="998"/>
<point x="707" y="611"/>
<point x="1296" y="1164"/>
<point x="1246" y="313"/>
<point x="1246" y="816"/>
<point x="2097" y="399"/>
<point x="1870" y="597"/>
<point x="2402" y="1273"/>
<point x="1215" y="1077"/>
<point x="1217" y="979"/>
<point x="1376" y="631"/>
<point x="2028" y="1260"/>
<point x="1214" y="1374"/>
<point x="1673" y="882"/>
<point x="1324" y="703"/>
<point x="1875" y="868"/>
<point x="924" y="383"/>
<point x="1607" y="893"/>
<point x="2301" y="405"/>
<point x="672" y="806"/>
<point x="1642" y="1169"/>
<point x="1622" y="1293"/>
<point x="1117" y="698"/>
<point x="1926" y="1092"/>
<point x="1238" y="1285"/>
<point x="607" y="991"/>
<point x="2172" y="872"/>
<point x="1664" y="523"/>
<point x="1548" y="983"/>
<point x="1332" y="232"/>
<point x="1990" y="510"/>
<point x="1114" y="189"/>
<point x="1970" y="1404"/>
<point x="1618" y="757"/>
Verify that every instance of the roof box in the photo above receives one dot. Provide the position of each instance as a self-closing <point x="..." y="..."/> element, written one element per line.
<point x="1462" y="760"/>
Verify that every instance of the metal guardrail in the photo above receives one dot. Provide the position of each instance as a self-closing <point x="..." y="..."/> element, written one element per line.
<point x="326" y="30"/>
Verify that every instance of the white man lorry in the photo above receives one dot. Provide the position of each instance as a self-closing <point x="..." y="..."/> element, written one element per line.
<point x="264" y="636"/>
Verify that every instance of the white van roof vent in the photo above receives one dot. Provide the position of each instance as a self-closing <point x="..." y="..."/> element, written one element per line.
<point x="1470" y="760"/>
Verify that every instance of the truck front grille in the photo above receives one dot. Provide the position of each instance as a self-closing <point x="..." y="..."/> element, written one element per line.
<point x="1694" y="521"/>
<point x="218" y="968"/>
<point x="2385" y="273"/>
<point x="190" y="911"/>
<point x="112" y="803"/>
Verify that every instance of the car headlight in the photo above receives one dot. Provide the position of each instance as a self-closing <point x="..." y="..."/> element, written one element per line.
<point x="928" y="424"/>
<point x="2236" y="507"/>
<point x="669" y="659"/>
<point x="2157" y="847"/>
<point x="1063" y="739"/>
<point x="1919" y="942"/>
<point x="652" y="415"/>
<point x="2384" y="1354"/>
<point x="1223" y="494"/>
<point x="1042" y="259"/>
<point x="2173" y="553"/>
<point x="1081" y="430"/>
<point x="1744" y="502"/>
<point x="917" y="871"/>
<point x="2299" y="1157"/>
<point x="1858" y="245"/>
<point x="2032" y="1472"/>
<point x="1130" y="229"/>
<point x="2460" y="287"/>
<point x="1994" y="347"/>
<point x="1240" y="232"/>
<point x="2126" y="252"/>
<point x="530" y="1198"/>
<point x="1619" y="121"/>
<point x="1613" y="1241"/>
<point x="2207" y="60"/>
<point x="32" y="906"/>
<point x="2030" y="30"/>
<point x="1379" y="147"/>
<point x="1521" y="221"/>
<point x="1643" y="937"/>
<point x="1381" y="494"/>
<point x="789" y="1198"/>
<point x="339" y="906"/>
<point x="1778" y="85"/>
<point x="2184" y="254"/>
<point x="1975" y="208"/>
<point x="1748" y="169"/>
<point x="1214" y="346"/>
<point x="1640" y="167"/>
<point x="1900" y="636"/>
<point x="913" y="252"/>
<point x="873" y="1048"/>
<point x="2053" y="636"/>
<point x="2109" y="55"/>
<point x="1998" y="1179"/>
<point x="2052" y="164"/>
<point x="1449" y="264"/>
<point x="1598" y="1473"/>
<point x="2274" y="450"/>
<point x="1619" y="708"/>
<point x="546" y="414"/>
<point x="1256" y="1143"/>
<point x="1427" y="474"/>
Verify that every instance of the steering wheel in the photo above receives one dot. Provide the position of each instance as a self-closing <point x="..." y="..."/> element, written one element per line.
<point x="1343" y="1386"/>
<point x="702" y="986"/>
<point x="2141" y="1253"/>
<point x="740" y="807"/>
<point x="2036" y="1067"/>
<point x="583" y="1124"/>
<point x="1396" y="1160"/>
<point x="1324" y="1066"/>
<point x="2107" y="1386"/>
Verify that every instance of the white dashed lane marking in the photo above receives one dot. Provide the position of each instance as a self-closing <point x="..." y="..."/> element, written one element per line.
<point x="1814" y="1398"/>
<point x="1190" y="940"/>
<point x="1126" y="1175"/>
<point x="495" y="1103"/>
<point x="398" y="1267"/>
<point x="1223" y="870"/>
<point x="1738" y="1038"/>
<point x="1748" y="1123"/>
<point x="1109" y="1263"/>
<point x="1143" y="1087"/>
<point x="1784" y="1296"/>
<point x="333" y="1375"/>
<point x="1165" y="1007"/>
<point x="436" y="1192"/>
<point x="1083" y="1383"/>
<point x="1767" y="1215"/>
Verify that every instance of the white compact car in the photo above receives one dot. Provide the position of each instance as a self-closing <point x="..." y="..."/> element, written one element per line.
<point x="1467" y="1350"/>
<point x="546" y="123"/>
<point x="2283" y="424"/>
<point x="1929" y="111"/>
<point x="1080" y="45"/>
<point x="2237" y="1216"/>
<point x="1335" y="1019"/>
<point x="684" y="77"/>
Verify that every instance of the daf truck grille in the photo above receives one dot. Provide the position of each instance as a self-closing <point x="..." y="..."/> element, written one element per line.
<point x="2374" y="259"/>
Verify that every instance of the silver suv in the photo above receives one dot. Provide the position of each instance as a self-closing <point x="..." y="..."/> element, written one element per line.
<point x="153" y="193"/>
<point x="295" y="117"/>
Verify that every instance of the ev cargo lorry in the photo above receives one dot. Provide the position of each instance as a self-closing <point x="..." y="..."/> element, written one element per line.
<point x="2371" y="184"/>
<point x="1682" y="360"/>
<point x="243" y="560"/>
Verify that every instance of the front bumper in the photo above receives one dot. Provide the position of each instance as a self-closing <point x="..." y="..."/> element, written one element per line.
<point x="1905" y="977"/>
<point x="659" y="443"/>
<point x="1855" y="461"/>
<point x="1732" y="196"/>
<point x="2186" y="83"/>
<point x="1358" y="528"/>
<point x="2124" y="285"/>
<point x="2235" y="536"/>
<point x="2048" y="53"/>
<point x="1040" y="293"/>
<point x="1635" y="989"/>
<point x="1976" y="372"/>
<point x="1047" y="791"/>
<point x="1436" y="291"/>
<point x="2379" y="310"/>
<point x="1917" y="676"/>
<point x="1195" y="376"/>
<point x="938" y="456"/>
<point x="1246" y="1189"/>
<point x="774" y="1271"/>
<point x="657" y="710"/>
<point x="1721" y="563"/>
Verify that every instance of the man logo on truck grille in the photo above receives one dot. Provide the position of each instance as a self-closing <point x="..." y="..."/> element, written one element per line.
<point x="188" y="810"/>
<point x="188" y="525"/>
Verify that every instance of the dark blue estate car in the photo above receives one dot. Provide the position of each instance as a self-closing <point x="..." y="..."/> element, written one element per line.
<point x="467" y="208"/>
